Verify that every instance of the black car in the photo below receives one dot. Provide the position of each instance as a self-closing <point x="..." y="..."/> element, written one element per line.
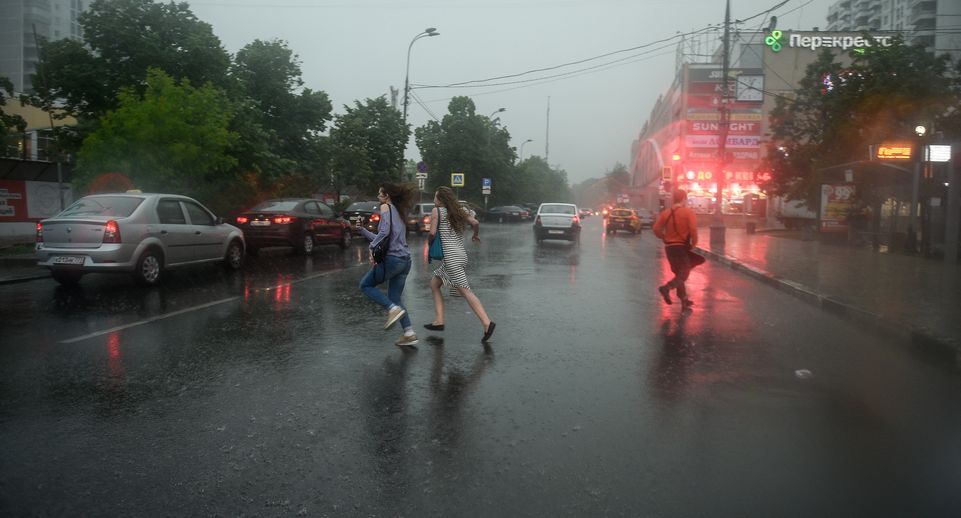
<point x="297" y="222"/>
<point x="363" y="213"/>
<point x="507" y="213"/>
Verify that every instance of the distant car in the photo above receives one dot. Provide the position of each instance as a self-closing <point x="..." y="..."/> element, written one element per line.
<point x="507" y="213"/>
<point x="140" y="234"/>
<point x="557" y="221"/>
<point x="623" y="219"/>
<point x="363" y="214"/>
<point x="418" y="219"/>
<point x="585" y="213"/>
<point x="301" y="223"/>
<point x="647" y="217"/>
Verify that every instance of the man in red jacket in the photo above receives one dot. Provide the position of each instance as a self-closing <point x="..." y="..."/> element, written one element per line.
<point x="677" y="227"/>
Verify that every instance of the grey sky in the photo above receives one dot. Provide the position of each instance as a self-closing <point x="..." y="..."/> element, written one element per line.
<point x="355" y="49"/>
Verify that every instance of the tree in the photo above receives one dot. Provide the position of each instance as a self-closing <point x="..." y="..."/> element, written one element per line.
<point x="8" y="121"/>
<point x="538" y="183"/>
<point x="468" y="143"/>
<point x="367" y="145"/>
<point x="173" y="138"/>
<point x="617" y="179"/>
<point x="838" y="111"/>
<point x="122" y="39"/>
<point x="291" y="118"/>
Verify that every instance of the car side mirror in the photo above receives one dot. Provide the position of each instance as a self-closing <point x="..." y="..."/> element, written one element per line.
<point x="220" y="220"/>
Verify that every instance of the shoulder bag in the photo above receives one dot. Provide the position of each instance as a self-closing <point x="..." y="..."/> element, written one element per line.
<point x="380" y="250"/>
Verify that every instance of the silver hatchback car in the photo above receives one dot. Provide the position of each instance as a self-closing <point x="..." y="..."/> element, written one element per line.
<point x="140" y="234"/>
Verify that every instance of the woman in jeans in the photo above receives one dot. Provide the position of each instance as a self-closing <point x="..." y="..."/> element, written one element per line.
<point x="395" y="201"/>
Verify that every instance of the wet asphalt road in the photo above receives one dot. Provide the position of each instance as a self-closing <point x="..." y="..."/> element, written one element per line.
<point x="276" y="392"/>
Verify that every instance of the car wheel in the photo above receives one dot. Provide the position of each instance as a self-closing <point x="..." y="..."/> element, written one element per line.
<point x="149" y="268"/>
<point x="307" y="244"/>
<point x="234" y="258"/>
<point x="67" y="278"/>
<point x="345" y="239"/>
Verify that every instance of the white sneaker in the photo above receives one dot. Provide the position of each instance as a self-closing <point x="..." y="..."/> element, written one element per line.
<point x="406" y="340"/>
<point x="394" y="315"/>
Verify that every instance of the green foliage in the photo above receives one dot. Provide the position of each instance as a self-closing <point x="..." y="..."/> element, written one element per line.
<point x="618" y="180"/>
<point x="286" y="137"/>
<point x="477" y="146"/>
<point x="9" y="124"/>
<point x="122" y="39"/>
<point x="367" y="145"/>
<point x="838" y="111"/>
<point x="173" y="138"/>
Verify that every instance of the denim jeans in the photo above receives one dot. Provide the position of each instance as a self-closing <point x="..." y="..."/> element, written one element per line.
<point x="394" y="270"/>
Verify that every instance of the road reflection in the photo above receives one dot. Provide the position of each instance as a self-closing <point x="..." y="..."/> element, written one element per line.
<point x="388" y="430"/>
<point x="450" y="384"/>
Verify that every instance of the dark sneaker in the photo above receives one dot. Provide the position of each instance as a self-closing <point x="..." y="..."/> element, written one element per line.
<point x="665" y="292"/>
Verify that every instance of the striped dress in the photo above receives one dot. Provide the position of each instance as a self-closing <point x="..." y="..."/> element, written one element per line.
<point x="451" y="270"/>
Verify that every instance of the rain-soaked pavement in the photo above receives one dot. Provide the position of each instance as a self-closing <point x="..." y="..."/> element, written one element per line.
<point x="277" y="392"/>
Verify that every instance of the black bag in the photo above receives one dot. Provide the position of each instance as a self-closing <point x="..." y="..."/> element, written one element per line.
<point x="380" y="250"/>
<point x="693" y="258"/>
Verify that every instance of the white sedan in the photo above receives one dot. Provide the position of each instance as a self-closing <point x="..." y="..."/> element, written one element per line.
<point x="557" y="221"/>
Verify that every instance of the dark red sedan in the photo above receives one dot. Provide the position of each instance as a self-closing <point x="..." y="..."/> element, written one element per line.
<point x="301" y="223"/>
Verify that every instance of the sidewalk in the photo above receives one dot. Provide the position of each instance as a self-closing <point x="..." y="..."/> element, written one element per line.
<point x="916" y="299"/>
<point x="20" y="267"/>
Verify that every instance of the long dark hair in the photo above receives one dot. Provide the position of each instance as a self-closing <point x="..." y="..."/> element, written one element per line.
<point x="401" y="196"/>
<point x="456" y="215"/>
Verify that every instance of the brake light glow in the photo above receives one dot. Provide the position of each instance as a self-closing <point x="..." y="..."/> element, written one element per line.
<point x="283" y="220"/>
<point x="537" y="221"/>
<point x="111" y="232"/>
<point x="39" y="233"/>
<point x="575" y="220"/>
<point x="242" y="220"/>
<point x="375" y="217"/>
<point x="426" y="220"/>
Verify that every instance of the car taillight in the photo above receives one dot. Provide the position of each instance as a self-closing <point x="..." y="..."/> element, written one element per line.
<point x="39" y="233"/>
<point x="283" y="220"/>
<point x="242" y="220"/>
<point x="427" y="220"/>
<point x="375" y="218"/>
<point x="575" y="220"/>
<point x="111" y="232"/>
<point x="537" y="221"/>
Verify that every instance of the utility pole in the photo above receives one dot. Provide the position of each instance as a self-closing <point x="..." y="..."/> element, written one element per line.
<point x="547" y="140"/>
<point x="717" y="227"/>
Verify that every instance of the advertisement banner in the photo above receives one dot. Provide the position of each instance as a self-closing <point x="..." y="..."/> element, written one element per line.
<point x="733" y="141"/>
<point x="713" y="128"/>
<point x="13" y="201"/>
<point x="706" y="154"/>
<point x="837" y="201"/>
<point x="737" y="114"/>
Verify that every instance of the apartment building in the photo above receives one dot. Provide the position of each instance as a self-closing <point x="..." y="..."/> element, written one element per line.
<point x="23" y="23"/>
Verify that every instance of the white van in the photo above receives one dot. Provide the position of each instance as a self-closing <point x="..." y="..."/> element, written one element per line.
<point x="418" y="219"/>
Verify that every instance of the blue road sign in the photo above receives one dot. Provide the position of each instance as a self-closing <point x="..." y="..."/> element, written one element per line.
<point x="486" y="182"/>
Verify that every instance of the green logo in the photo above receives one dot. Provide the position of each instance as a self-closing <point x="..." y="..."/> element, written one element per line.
<point x="774" y="41"/>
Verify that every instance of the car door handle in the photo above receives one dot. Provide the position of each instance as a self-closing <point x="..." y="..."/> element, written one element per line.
<point x="196" y="232"/>
<point x="163" y="232"/>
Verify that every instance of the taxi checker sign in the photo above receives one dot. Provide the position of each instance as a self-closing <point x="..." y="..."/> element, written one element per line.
<point x="457" y="179"/>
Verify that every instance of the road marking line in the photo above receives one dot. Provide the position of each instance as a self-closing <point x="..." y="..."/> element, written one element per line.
<point x="192" y="308"/>
<point x="148" y="320"/>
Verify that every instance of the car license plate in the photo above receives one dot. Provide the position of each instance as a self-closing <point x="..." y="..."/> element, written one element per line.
<point x="555" y="231"/>
<point x="258" y="223"/>
<point x="68" y="259"/>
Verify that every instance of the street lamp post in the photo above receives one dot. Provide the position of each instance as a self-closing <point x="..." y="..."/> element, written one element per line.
<point x="911" y="243"/>
<point x="522" y="148"/>
<point x="430" y="31"/>
<point x="495" y="112"/>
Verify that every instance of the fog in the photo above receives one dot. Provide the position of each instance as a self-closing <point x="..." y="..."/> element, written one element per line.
<point x="357" y="49"/>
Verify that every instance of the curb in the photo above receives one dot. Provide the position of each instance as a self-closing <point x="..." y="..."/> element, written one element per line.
<point x="919" y="337"/>
<point x="26" y="278"/>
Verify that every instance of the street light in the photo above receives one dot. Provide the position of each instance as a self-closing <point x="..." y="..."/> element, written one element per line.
<point x="430" y="31"/>
<point x="499" y="110"/>
<point x="522" y="147"/>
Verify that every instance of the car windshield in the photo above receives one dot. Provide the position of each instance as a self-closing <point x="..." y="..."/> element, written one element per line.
<point x="426" y="207"/>
<point x="621" y="213"/>
<point x="557" y="209"/>
<point x="115" y="206"/>
<point x="368" y="206"/>
<point x="276" y="206"/>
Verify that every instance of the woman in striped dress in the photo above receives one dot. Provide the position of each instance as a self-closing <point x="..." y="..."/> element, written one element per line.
<point x="449" y="220"/>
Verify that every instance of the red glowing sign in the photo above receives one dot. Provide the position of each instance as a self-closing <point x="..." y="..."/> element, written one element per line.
<point x="894" y="151"/>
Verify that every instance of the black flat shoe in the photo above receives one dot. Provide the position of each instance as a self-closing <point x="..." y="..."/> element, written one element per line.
<point x="489" y="332"/>
<point x="433" y="327"/>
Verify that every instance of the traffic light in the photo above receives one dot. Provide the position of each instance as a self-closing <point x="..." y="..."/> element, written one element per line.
<point x="666" y="172"/>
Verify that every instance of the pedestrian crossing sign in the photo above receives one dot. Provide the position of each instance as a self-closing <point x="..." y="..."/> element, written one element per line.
<point x="457" y="179"/>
